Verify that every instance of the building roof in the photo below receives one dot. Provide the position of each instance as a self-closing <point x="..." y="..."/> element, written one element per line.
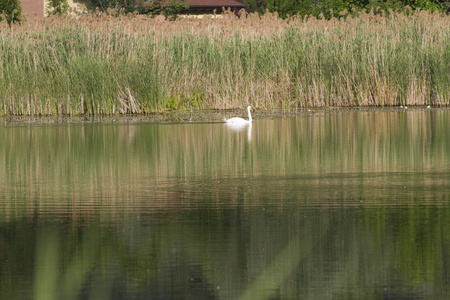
<point x="202" y="4"/>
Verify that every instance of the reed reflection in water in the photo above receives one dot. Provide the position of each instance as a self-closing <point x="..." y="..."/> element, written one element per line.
<point x="330" y="205"/>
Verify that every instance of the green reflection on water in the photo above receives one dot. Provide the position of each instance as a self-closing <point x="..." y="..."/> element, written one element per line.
<point x="341" y="205"/>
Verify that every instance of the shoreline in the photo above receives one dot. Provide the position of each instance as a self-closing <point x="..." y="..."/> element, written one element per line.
<point x="110" y="66"/>
<point x="200" y="116"/>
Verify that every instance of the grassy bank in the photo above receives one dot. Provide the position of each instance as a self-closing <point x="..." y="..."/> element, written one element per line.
<point x="103" y="64"/>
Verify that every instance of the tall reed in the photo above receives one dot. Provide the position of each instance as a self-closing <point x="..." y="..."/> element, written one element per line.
<point x="118" y="64"/>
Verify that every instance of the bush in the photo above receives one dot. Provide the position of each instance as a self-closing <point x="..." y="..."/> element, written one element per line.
<point x="170" y="8"/>
<point x="57" y="7"/>
<point x="326" y="8"/>
<point x="167" y="8"/>
<point x="128" y="6"/>
<point x="11" y="10"/>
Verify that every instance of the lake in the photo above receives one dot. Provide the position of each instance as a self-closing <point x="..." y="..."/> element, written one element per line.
<point x="343" y="204"/>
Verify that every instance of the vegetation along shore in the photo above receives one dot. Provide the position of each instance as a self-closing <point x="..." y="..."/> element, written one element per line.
<point x="108" y="63"/>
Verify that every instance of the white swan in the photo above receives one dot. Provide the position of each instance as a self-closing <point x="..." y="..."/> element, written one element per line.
<point x="237" y="120"/>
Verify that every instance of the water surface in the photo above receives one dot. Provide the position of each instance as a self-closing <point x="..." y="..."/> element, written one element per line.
<point x="323" y="206"/>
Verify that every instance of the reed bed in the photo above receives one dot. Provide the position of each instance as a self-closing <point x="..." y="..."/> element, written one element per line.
<point x="100" y="63"/>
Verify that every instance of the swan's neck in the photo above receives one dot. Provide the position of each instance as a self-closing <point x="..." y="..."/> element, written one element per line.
<point x="249" y="115"/>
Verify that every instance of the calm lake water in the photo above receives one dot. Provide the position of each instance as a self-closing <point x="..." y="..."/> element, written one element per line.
<point x="342" y="205"/>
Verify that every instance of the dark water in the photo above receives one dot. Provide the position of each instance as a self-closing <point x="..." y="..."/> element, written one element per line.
<point x="346" y="205"/>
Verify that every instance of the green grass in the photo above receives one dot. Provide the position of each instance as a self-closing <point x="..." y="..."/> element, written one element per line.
<point x="128" y="65"/>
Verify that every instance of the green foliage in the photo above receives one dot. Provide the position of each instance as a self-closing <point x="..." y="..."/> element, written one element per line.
<point x="11" y="10"/>
<point x="258" y="6"/>
<point x="169" y="9"/>
<point x="172" y="102"/>
<point x="57" y="7"/>
<point x="289" y="7"/>
<point x="324" y="8"/>
<point x="445" y="6"/>
<point x="196" y="99"/>
<point x="128" y="6"/>
<point x="423" y="4"/>
<point x="328" y="8"/>
<point x="384" y="5"/>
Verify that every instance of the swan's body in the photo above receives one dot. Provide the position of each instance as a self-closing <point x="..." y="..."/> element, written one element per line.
<point x="237" y="120"/>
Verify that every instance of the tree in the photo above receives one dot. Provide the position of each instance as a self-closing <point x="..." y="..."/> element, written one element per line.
<point x="170" y="9"/>
<point x="57" y="7"/>
<point x="11" y="10"/>
<point x="128" y="6"/>
<point x="325" y="7"/>
<point x="384" y="5"/>
<point x="258" y="6"/>
<point x="423" y="4"/>
<point x="445" y="5"/>
<point x="289" y="7"/>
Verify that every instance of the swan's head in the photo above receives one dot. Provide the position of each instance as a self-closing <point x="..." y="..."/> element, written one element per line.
<point x="249" y="108"/>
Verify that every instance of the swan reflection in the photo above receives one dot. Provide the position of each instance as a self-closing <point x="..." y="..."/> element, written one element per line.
<point x="240" y="127"/>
